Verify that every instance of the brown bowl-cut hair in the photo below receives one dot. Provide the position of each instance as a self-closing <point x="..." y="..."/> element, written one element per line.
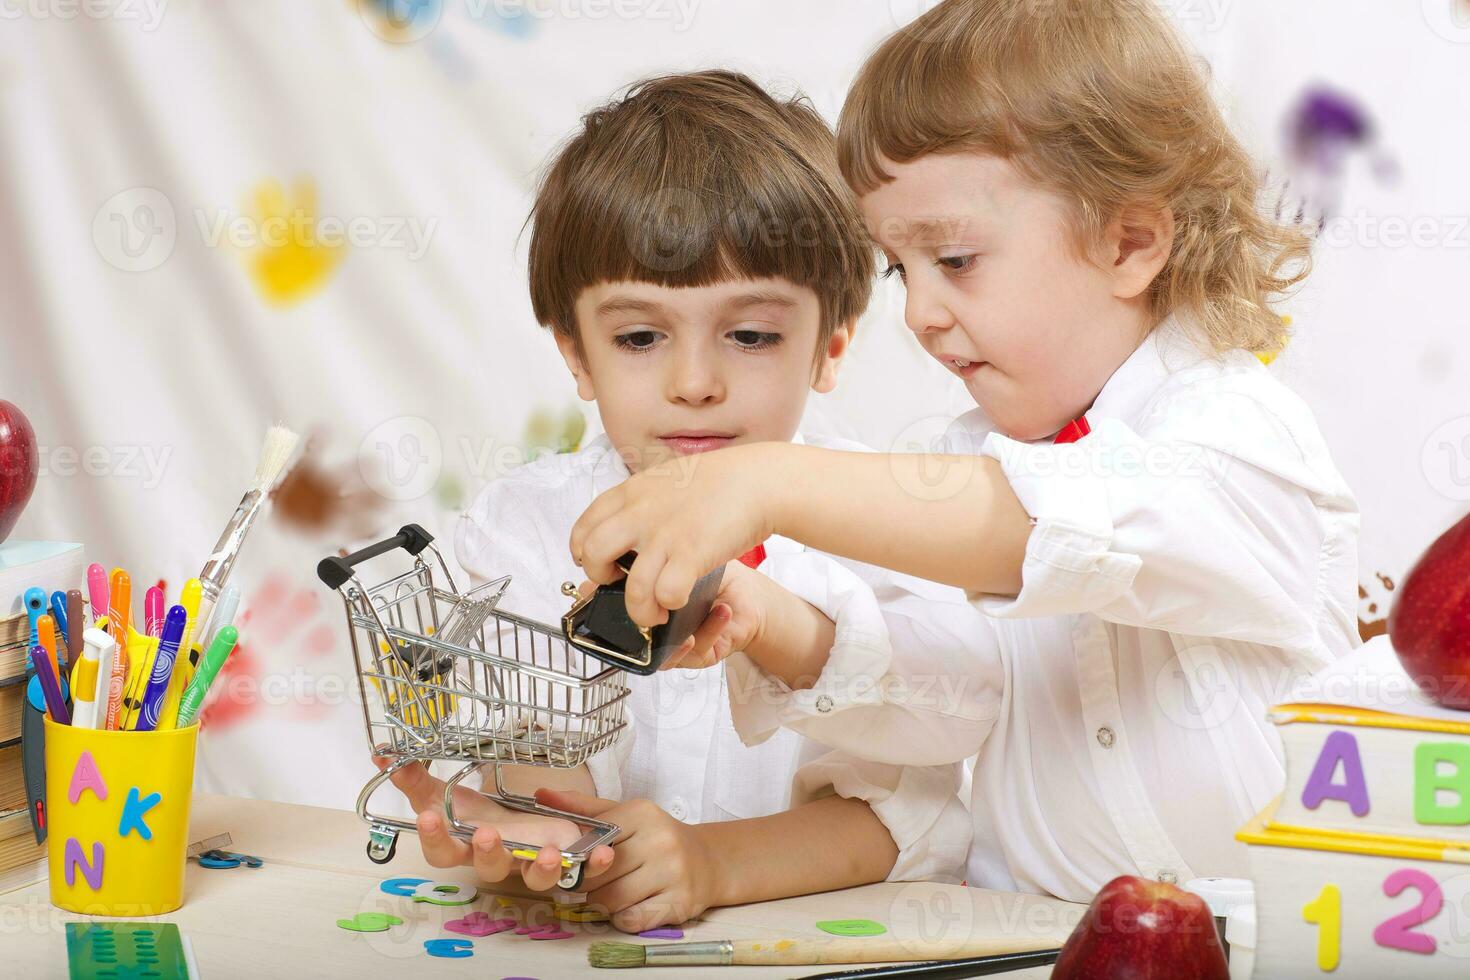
<point x="1099" y="101"/>
<point x="693" y="179"/>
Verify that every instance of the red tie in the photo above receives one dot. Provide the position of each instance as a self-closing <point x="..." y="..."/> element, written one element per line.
<point x="1075" y="430"/>
<point x="754" y="557"/>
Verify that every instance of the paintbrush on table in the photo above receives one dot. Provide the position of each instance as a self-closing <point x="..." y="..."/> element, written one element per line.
<point x="803" y="952"/>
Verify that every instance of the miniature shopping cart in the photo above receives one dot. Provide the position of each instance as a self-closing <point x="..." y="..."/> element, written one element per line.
<point x="451" y="677"/>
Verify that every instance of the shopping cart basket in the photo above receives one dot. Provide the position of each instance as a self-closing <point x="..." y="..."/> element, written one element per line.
<point x="452" y="677"/>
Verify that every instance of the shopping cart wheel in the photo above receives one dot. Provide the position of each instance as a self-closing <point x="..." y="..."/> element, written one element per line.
<point x="571" y="878"/>
<point x="381" y="847"/>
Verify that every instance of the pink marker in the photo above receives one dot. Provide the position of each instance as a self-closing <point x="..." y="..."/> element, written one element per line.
<point x="153" y="616"/>
<point x="98" y="591"/>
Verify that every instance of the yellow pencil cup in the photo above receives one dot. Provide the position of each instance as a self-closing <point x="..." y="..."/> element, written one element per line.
<point x="117" y="805"/>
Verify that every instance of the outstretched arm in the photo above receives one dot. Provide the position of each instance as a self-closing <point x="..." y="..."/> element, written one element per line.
<point x="951" y="519"/>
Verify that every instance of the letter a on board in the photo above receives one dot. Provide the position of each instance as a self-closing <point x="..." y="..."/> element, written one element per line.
<point x="1340" y="747"/>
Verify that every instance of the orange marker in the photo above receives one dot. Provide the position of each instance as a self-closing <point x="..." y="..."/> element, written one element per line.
<point x="46" y="636"/>
<point x="120" y="613"/>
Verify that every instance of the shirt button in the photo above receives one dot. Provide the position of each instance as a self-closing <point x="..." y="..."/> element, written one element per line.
<point x="1106" y="737"/>
<point x="1168" y="877"/>
<point x="824" y="703"/>
<point x="677" y="809"/>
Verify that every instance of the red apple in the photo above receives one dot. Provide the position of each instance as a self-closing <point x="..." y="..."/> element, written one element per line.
<point x="20" y="461"/>
<point x="1429" y="624"/>
<point x="1137" y="929"/>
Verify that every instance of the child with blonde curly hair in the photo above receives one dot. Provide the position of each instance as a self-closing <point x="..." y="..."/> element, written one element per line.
<point x="1150" y="520"/>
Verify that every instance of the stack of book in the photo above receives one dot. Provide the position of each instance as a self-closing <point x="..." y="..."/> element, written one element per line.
<point x="1360" y="866"/>
<point x="23" y="564"/>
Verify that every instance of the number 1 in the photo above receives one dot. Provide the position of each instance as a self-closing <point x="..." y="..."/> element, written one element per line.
<point x="1325" y="912"/>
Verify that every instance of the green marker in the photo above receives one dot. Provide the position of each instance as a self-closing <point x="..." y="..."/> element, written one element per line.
<point x="219" y="650"/>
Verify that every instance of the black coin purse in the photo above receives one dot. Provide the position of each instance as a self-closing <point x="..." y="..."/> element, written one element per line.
<point x="599" y="624"/>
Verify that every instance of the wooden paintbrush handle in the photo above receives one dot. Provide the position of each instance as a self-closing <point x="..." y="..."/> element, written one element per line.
<point x="805" y="952"/>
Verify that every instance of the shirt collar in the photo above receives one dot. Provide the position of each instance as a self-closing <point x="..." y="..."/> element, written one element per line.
<point x="1168" y="348"/>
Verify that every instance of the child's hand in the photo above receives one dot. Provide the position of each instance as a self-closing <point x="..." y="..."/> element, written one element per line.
<point x="683" y="518"/>
<point x="733" y="624"/>
<point x="486" y="852"/>
<point x="662" y="874"/>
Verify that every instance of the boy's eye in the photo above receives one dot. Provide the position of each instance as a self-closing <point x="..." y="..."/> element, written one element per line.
<point x="956" y="263"/>
<point x="636" y="340"/>
<point x="755" y="339"/>
<point x="895" y="269"/>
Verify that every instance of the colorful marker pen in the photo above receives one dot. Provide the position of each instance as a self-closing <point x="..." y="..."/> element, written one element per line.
<point x="63" y="624"/>
<point x="153" y="611"/>
<point x="97" y="591"/>
<point x="76" y="626"/>
<point x="46" y="640"/>
<point x="163" y="667"/>
<point x="219" y="650"/>
<point x="168" y="716"/>
<point x="50" y="686"/>
<point x="120" y="614"/>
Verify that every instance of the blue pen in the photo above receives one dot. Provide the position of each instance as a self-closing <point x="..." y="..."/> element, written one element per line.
<point x="35" y="603"/>
<point x="163" y="668"/>
<point x="58" y="613"/>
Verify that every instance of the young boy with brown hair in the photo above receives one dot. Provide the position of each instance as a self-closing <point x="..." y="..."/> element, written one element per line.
<point x="701" y="267"/>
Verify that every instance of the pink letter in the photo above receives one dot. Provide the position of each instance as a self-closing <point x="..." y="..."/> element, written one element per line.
<point x="86" y="777"/>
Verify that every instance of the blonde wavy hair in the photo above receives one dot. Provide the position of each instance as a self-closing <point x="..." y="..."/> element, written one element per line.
<point x="1100" y="101"/>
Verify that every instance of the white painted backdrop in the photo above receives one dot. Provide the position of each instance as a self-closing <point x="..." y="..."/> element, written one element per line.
<point x="151" y="336"/>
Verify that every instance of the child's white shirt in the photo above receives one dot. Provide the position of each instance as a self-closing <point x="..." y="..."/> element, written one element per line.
<point x="681" y="749"/>
<point x="1191" y="559"/>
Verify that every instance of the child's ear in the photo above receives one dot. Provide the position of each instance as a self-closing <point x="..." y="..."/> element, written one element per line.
<point x="571" y="353"/>
<point x="1137" y="245"/>
<point x="824" y="379"/>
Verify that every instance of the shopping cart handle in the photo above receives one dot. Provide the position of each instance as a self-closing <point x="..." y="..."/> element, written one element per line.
<point x="335" y="571"/>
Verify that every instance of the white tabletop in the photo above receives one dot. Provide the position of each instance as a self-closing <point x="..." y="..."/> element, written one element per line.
<point x="280" y="920"/>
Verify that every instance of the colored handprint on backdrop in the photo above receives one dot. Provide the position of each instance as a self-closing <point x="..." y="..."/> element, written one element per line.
<point x="1325" y="130"/>
<point x="294" y="626"/>
<point x="548" y="432"/>
<point x="288" y="261"/>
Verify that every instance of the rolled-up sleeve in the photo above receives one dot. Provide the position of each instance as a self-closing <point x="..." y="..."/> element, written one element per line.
<point x="911" y="680"/>
<point x="1158" y="532"/>
<point x="919" y="805"/>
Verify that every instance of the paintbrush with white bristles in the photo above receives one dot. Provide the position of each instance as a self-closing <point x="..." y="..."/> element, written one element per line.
<point x="275" y="453"/>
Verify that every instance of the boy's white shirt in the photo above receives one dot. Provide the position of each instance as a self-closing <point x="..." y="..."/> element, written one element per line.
<point x="681" y="749"/>
<point x="1192" y="558"/>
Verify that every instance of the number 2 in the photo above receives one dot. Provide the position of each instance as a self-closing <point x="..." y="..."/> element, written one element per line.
<point x="1325" y="912"/>
<point x="1398" y="932"/>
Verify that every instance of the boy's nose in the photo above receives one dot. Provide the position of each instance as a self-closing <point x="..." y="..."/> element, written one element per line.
<point x="695" y="380"/>
<point x="924" y="314"/>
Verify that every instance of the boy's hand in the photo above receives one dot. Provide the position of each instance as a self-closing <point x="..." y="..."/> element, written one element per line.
<point x="662" y="874"/>
<point x="735" y="622"/>
<point x="683" y="518"/>
<point x="486" y="851"/>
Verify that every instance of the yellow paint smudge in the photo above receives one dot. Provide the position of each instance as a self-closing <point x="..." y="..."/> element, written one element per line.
<point x="289" y="261"/>
<point x="1266" y="357"/>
